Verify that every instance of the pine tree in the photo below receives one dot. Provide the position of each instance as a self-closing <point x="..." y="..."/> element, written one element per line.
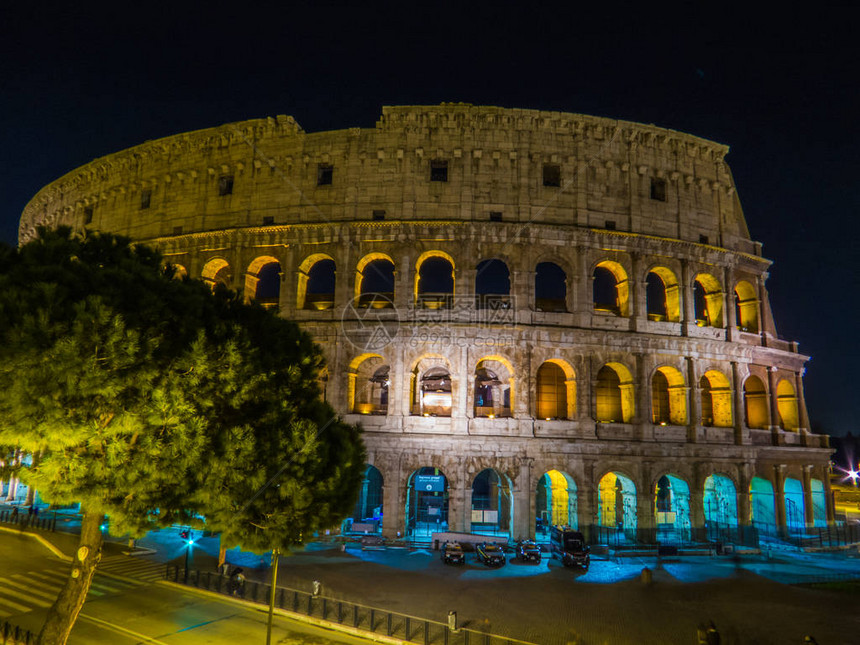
<point x="154" y="401"/>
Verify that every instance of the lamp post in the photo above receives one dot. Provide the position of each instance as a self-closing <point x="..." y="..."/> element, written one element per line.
<point x="275" y="557"/>
<point x="189" y="544"/>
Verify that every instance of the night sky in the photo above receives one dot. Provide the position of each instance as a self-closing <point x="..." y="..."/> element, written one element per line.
<point x="781" y="90"/>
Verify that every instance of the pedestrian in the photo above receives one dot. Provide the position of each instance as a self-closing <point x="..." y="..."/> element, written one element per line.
<point x="29" y="515"/>
<point x="237" y="583"/>
<point x="14" y="514"/>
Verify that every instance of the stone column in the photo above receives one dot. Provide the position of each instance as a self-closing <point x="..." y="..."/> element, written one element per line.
<point x="586" y="500"/>
<point x="582" y="293"/>
<point x="779" y="498"/>
<point x="801" y="401"/>
<point x="289" y="285"/>
<point x="743" y="498"/>
<point x="774" y="404"/>
<point x="464" y="395"/>
<point x="829" y="501"/>
<point x="697" y="509"/>
<point x="523" y="525"/>
<point x="808" y="507"/>
<point x="638" y="294"/>
<point x="739" y="416"/>
<point x="731" y="311"/>
<point x="693" y="411"/>
<point x="642" y="414"/>
<point x="688" y="308"/>
<point x="404" y="283"/>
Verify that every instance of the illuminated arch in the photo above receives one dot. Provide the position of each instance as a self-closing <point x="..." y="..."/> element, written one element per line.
<point x="746" y="307"/>
<point x="217" y="271"/>
<point x="795" y="514"/>
<point x="426" y="502"/>
<point x="374" y="274"/>
<point x="555" y="503"/>
<point x="819" y="502"/>
<point x="716" y="394"/>
<point x="555" y="395"/>
<point x="492" y="503"/>
<point x="494" y="387"/>
<point x="550" y="287"/>
<point x="263" y="281"/>
<point x="367" y="388"/>
<point x="786" y="401"/>
<point x="668" y="397"/>
<point x="431" y="387"/>
<point x="762" y="505"/>
<point x="755" y="403"/>
<point x="672" y="508"/>
<point x="179" y="271"/>
<point x="442" y="284"/>
<point x="616" y="502"/>
<point x="611" y="288"/>
<point x="367" y="514"/>
<point x="316" y="296"/>
<point x="708" y="301"/>
<point x="662" y="295"/>
<point x="614" y="396"/>
<point x="720" y="502"/>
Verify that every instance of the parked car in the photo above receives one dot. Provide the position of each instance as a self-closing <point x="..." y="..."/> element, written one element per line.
<point x="490" y="554"/>
<point x="452" y="553"/>
<point x="528" y="551"/>
<point x="569" y="546"/>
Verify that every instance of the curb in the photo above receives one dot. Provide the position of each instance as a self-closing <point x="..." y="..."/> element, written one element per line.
<point x="301" y="618"/>
<point x="41" y="541"/>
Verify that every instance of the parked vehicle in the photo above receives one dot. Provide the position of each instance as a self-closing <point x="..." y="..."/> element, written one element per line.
<point x="528" y="551"/>
<point x="452" y="553"/>
<point x="569" y="546"/>
<point x="490" y="554"/>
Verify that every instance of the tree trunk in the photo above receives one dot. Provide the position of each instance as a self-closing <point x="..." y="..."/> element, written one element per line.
<point x="222" y="555"/>
<point x="63" y="614"/>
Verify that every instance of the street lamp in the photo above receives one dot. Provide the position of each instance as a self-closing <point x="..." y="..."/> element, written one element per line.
<point x="189" y="544"/>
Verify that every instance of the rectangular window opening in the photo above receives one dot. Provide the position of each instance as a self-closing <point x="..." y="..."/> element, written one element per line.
<point x="495" y="216"/>
<point x="268" y="220"/>
<point x="325" y="174"/>
<point x="145" y="199"/>
<point x="378" y="215"/>
<point x="225" y="185"/>
<point x="658" y="189"/>
<point x="703" y="239"/>
<point x="177" y="230"/>
<point x="439" y="170"/>
<point x="551" y="175"/>
<point x="88" y="215"/>
<point x="609" y="225"/>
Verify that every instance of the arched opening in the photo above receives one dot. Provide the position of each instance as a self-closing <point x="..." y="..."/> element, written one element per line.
<point x="794" y="508"/>
<point x="431" y="391"/>
<point x="819" y="502"/>
<point x="217" y="272"/>
<point x="786" y="401"/>
<point x="616" y="506"/>
<point x="492" y="285"/>
<point x="555" y="394"/>
<point x="434" y="280"/>
<point x="662" y="295"/>
<point x="426" y="502"/>
<point x="716" y="395"/>
<point x="555" y="503"/>
<point x="762" y="506"/>
<point x="746" y="307"/>
<point x="614" y="394"/>
<point x="668" y="397"/>
<point x="370" y="379"/>
<point x="366" y="517"/>
<point x="316" y="284"/>
<point x="611" y="289"/>
<point x="263" y="282"/>
<point x="179" y="271"/>
<point x="672" y="508"/>
<point x="720" y="506"/>
<point x="493" y="388"/>
<point x="374" y="282"/>
<point x="550" y="288"/>
<point x="708" y="301"/>
<point x="755" y="403"/>
<point x="492" y="503"/>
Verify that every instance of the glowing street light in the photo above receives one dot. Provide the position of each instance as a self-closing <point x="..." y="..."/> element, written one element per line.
<point x="854" y="475"/>
<point x="189" y="544"/>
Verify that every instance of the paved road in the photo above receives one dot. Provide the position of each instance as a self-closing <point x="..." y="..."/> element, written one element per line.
<point x="125" y="606"/>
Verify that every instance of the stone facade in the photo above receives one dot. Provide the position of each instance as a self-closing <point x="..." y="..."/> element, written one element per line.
<point x="678" y="371"/>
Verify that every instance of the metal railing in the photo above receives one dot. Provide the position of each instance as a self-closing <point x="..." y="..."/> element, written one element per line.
<point x="405" y="627"/>
<point x="13" y="635"/>
<point x="23" y="519"/>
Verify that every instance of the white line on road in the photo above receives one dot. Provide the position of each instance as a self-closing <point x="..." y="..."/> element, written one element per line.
<point x="122" y="630"/>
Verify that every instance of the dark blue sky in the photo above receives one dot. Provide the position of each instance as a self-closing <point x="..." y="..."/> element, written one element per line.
<point x="780" y="89"/>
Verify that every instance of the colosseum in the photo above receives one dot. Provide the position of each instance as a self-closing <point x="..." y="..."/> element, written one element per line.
<point x="538" y="318"/>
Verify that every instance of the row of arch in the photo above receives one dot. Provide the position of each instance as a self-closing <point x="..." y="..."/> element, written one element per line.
<point x="435" y="277"/>
<point x="431" y="393"/>
<point x="672" y="508"/>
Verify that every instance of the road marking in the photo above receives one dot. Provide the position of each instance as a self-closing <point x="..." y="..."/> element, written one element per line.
<point x="15" y="605"/>
<point x="122" y="630"/>
<point x="29" y="592"/>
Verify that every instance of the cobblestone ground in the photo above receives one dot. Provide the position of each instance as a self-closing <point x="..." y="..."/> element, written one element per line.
<point x="551" y="605"/>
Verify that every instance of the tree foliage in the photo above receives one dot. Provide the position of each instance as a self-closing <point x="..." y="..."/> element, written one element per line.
<point x="155" y="401"/>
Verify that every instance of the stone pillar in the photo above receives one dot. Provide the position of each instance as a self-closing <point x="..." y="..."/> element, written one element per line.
<point x="464" y="395"/>
<point x="779" y="498"/>
<point x="688" y="303"/>
<point x="642" y="414"/>
<point x="731" y="311"/>
<point x="801" y="401"/>
<point x="399" y="381"/>
<point x="404" y="284"/>
<point x="743" y="498"/>
<point x="761" y="295"/>
<point x="586" y="500"/>
<point x="829" y="501"/>
<point x="583" y="295"/>
<point x="697" y="509"/>
<point x="774" y="404"/>
<point x="344" y="278"/>
<point x="808" y="507"/>
<point x="289" y="285"/>
<point x="524" y="520"/>
<point x="693" y="411"/>
<point x="638" y="294"/>
<point x="739" y="416"/>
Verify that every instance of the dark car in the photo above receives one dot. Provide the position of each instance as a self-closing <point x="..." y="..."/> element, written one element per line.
<point x="528" y="551"/>
<point x="569" y="546"/>
<point x="452" y="553"/>
<point x="490" y="554"/>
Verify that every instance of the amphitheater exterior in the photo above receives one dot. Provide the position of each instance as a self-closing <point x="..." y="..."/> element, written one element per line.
<point x="537" y="317"/>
